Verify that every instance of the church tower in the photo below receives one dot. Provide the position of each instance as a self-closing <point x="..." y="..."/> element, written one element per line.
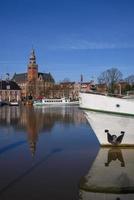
<point x="32" y="67"/>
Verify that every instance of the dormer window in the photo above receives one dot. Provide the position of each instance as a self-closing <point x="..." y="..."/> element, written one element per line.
<point x="40" y="77"/>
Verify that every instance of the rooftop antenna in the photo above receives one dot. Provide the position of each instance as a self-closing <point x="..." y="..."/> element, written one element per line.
<point x="32" y="47"/>
<point x="81" y="78"/>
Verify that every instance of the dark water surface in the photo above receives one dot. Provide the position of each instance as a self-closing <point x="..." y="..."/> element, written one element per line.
<point x="44" y="152"/>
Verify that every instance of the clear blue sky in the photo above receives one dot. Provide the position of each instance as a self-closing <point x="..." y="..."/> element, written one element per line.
<point x="70" y="37"/>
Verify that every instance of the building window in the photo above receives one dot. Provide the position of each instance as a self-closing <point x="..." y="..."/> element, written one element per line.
<point x="8" y="87"/>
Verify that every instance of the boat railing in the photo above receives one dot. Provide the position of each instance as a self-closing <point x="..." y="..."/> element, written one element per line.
<point x="94" y="92"/>
<point x="104" y="94"/>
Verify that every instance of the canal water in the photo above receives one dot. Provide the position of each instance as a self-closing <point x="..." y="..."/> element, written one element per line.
<point x="44" y="152"/>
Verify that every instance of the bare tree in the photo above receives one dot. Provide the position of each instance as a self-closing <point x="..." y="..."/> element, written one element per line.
<point x="110" y="77"/>
<point x="66" y="80"/>
<point x="130" y="79"/>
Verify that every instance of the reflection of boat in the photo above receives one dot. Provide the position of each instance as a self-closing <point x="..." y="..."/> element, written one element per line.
<point x="110" y="177"/>
<point x="112" y="129"/>
<point x="103" y="103"/>
<point x="2" y="103"/>
<point x="61" y="101"/>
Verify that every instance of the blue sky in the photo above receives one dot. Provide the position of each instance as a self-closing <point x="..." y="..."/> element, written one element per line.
<point x="70" y="37"/>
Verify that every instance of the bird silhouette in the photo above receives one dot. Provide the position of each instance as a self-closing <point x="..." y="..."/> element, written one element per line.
<point x="113" y="139"/>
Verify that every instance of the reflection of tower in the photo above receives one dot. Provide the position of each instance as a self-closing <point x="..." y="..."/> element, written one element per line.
<point x="32" y="67"/>
<point x="32" y="138"/>
<point x="32" y="146"/>
<point x="32" y="130"/>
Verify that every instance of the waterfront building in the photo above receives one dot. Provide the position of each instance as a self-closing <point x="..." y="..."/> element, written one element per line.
<point x="87" y="86"/>
<point x="102" y="88"/>
<point x="9" y="91"/>
<point x="69" y="90"/>
<point x="34" y="83"/>
<point x="121" y="88"/>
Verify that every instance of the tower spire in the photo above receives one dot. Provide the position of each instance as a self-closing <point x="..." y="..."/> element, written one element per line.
<point x="32" y="58"/>
<point x="32" y="67"/>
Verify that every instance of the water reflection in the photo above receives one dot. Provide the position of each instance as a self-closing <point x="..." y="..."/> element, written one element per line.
<point x="27" y="172"/>
<point x="37" y="120"/>
<point x="61" y="147"/>
<point x="110" y="177"/>
<point x="29" y="116"/>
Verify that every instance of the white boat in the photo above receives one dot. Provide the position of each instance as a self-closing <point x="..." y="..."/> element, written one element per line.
<point x="112" y="129"/>
<point x="110" y="177"/>
<point x="61" y="101"/>
<point x="105" y="103"/>
<point x="13" y="103"/>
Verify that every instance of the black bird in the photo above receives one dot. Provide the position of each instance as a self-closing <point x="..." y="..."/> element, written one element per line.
<point x="113" y="139"/>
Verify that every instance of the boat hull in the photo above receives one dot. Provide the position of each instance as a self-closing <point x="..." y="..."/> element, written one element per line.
<point x="14" y="104"/>
<point x="55" y="103"/>
<point x="107" y="126"/>
<point x="102" y="103"/>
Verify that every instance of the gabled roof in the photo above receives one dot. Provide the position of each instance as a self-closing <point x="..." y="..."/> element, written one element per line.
<point x="46" y="76"/>
<point x="19" y="78"/>
<point x="9" y="85"/>
<point x="67" y="83"/>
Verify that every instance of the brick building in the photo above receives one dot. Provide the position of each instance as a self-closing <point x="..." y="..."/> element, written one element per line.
<point x="70" y="89"/>
<point x="34" y="83"/>
<point x="9" y="91"/>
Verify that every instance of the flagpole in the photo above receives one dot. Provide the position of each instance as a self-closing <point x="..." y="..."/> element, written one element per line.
<point x="81" y="81"/>
<point x="1" y="89"/>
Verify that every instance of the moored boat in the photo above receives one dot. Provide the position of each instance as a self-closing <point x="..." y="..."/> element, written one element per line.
<point x="112" y="129"/>
<point x="13" y="103"/>
<point x="104" y="103"/>
<point x="61" y="101"/>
